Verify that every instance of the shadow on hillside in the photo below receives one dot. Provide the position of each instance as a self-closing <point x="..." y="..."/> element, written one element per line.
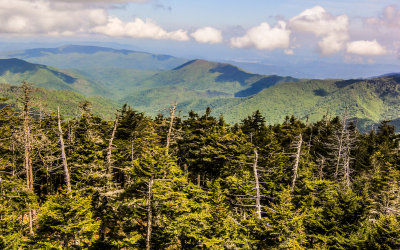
<point x="320" y="92"/>
<point x="344" y="83"/>
<point x="16" y="66"/>
<point x="66" y="78"/>
<point x="262" y="84"/>
<point x="231" y="73"/>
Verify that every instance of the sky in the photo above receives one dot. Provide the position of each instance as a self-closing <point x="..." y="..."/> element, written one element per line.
<point x="348" y="31"/>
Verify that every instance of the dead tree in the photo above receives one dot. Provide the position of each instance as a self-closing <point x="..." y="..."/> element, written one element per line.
<point x="348" y="145"/>
<point x="109" y="151"/>
<point x="297" y="156"/>
<point x="340" y="142"/>
<point x="346" y="166"/>
<point x="26" y="99"/>
<point x="258" y="203"/>
<point x="321" y="168"/>
<point x="149" y="214"/>
<point x="63" y="156"/>
<point x="171" y="123"/>
<point x="247" y="200"/>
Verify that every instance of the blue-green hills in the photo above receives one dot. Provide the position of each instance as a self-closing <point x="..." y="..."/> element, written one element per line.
<point x="151" y="83"/>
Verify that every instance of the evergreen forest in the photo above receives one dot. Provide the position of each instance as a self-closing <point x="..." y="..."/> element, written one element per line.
<point x="192" y="181"/>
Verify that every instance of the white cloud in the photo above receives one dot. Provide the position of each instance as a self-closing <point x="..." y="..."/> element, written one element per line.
<point x="368" y="48"/>
<point x="333" y="30"/>
<point x="207" y="35"/>
<point x="138" y="28"/>
<point x="40" y="17"/>
<point x="264" y="37"/>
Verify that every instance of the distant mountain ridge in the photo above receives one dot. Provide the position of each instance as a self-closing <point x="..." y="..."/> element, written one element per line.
<point x="197" y="84"/>
<point x="87" y="57"/>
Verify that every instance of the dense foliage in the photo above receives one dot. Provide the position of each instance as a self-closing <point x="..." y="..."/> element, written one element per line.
<point x="293" y="185"/>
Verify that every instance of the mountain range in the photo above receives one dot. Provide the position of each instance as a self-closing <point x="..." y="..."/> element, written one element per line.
<point x="151" y="83"/>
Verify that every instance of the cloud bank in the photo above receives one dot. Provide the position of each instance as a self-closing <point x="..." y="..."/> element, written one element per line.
<point x="207" y="35"/>
<point x="42" y="17"/>
<point x="333" y="30"/>
<point x="138" y="28"/>
<point x="21" y="17"/>
<point x="264" y="37"/>
<point x="83" y="17"/>
<point x="366" y="48"/>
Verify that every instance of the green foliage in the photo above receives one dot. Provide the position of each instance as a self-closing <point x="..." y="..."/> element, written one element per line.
<point x="202" y="192"/>
<point x="67" y="220"/>
<point x="384" y="233"/>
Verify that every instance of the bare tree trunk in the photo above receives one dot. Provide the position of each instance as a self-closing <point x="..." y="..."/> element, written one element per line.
<point x="132" y="155"/>
<point x="340" y="146"/>
<point x="109" y="152"/>
<point x="321" y="169"/>
<point x="30" y="218"/>
<point x="171" y="123"/>
<point x="149" y="214"/>
<point x="63" y="156"/>
<point x="185" y="166"/>
<point x="297" y="161"/>
<point x="258" y="203"/>
<point x="27" y="147"/>
<point x="346" y="165"/>
<point x="13" y="159"/>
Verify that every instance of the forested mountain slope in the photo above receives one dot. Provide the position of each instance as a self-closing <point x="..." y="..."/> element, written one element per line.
<point x="373" y="99"/>
<point x="47" y="100"/>
<point x="117" y="71"/>
<point x="198" y="81"/>
<point x="14" y="71"/>
<point x="198" y="84"/>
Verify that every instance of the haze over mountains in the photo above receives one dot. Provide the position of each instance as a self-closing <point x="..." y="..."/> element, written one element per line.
<point x="151" y="83"/>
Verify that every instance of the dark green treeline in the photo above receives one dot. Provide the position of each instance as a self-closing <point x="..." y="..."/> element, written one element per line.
<point x="321" y="185"/>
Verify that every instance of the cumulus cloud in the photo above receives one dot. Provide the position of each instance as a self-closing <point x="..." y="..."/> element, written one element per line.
<point x="42" y="17"/>
<point x="207" y="35"/>
<point x="333" y="30"/>
<point x="138" y="28"/>
<point x="368" y="48"/>
<point x="22" y="17"/>
<point x="264" y="37"/>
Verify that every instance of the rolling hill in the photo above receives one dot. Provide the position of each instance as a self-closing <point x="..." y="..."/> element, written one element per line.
<point x="369" y="101"/>
<point x="199" y="84"/>
<point x="14" y="71"/>
<point x="198" y="81"/>
<point x="88" y="57"/>
<point x="68" y="101"/>
<point x="116" y="71"/>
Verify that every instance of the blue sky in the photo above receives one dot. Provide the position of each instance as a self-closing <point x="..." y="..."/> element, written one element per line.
<point x="362" y="32"/>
